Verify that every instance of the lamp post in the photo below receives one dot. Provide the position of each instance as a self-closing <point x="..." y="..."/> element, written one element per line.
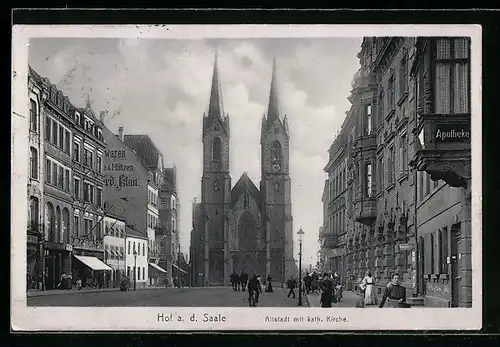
<point x="301" y="237"/>
<point x="135" y="270"/>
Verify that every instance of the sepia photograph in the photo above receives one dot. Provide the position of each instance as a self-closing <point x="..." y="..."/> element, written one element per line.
<point x="258" y="172"/>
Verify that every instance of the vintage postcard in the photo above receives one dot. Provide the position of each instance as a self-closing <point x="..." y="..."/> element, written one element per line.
<point x="246" y="177"/>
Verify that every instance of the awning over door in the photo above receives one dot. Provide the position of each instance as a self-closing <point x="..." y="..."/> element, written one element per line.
<point x="93" y="263"/>
<point x="178" y="268"/>
<point x="157" y="267"/>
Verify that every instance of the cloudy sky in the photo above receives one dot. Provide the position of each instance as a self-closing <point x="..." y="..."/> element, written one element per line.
<point x="161" y="88"/>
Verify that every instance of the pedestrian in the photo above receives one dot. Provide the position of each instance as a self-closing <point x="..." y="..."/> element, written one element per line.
<point x="367" y="284"/>
<point x="308" y="282"/>
<point x="291" y="284"/>
<point x="243" y="280"/>
<point x="269" y="285"/>
<point x="78" y="283"/>
<point x="326" y="298"/>
<point x="394" y="294"/>
<point x="254" y="288"/>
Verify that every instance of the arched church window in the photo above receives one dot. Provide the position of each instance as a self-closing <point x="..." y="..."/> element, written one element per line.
<point x="276" y="186"/>
<point x="245" y="200"/>
<point x="216" y="185"/>
<point x="217" y="149"/>
<point x="247" y="232"/>
<point x="276" y="152"/>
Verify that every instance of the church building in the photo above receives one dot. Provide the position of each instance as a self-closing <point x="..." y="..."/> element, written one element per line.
<point x="241" y="227"/>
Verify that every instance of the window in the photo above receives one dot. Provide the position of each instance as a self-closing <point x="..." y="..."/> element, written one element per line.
<point x="368" y="119"/>
<point x="217" y="149"/>
<point x="128" y="248"/>
<point x="435" y="184"/>
<point x="34" y="163"/>
<point x="128" y="271"/>
<point x="390" y="165"/>
<point x="99" y="163"/>
<point x="143" y="273"/>
<point x="443" y="245"/>
<point x="76" y="225"/>
<point x="138" y="272"/>
<point x="381" y="173"/>
<point x="86" y="191"/>
<point x="61" y="138"/>
<point x="67" y="139"/>
<point x="432" y="249"/>
<point x="54" y="132"/>
<point x="390" y="89"/>
<point x="99" y="196"/>
<point x="276" y="152"/>
<point x="368" y="181"/>
<point x="76" y="151"/>
<point x="91" y="194"/>
<point x="403" y="154"/>
<point x="61" y="178"/>
<point x="34" y="213"/>
<point x="403" y="75"/>
<point x="76" y="188"/>
<point x="33" y="116"/>
<point x="48" y="127"/>
<point x="452" y="76"/>
<point x="143" y="249"/>
<point x="427" y="184"/>
<point x="48" y="171"/>
<point x="66" y="180"/>
<point x="381" y="108"/>
<point x="54" y="174"/>
<point x="420" y="185"/>
<point x="134" y="247"/>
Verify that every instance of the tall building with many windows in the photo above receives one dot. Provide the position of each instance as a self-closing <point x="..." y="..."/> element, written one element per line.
<point x="88" y="188"/>
<point x="58" y="126"/>
<point x="34" y="244"/>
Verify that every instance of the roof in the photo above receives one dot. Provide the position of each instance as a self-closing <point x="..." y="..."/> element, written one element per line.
<point x="169" y="175"/>
<point x="245" y="184"/>
<point x="145" y="149"/>
<point x="134" y="233"/>
<point x="273" y="111"/>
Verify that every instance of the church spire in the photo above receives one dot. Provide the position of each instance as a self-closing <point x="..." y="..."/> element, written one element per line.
<point x="215" y="107"/>
<point x="273" y="111"/>
<point x="87" y="104"/>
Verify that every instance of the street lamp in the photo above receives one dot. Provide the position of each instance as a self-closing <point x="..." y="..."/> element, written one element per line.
<point x="135" y="270"/>
<point x="301" y="237"/>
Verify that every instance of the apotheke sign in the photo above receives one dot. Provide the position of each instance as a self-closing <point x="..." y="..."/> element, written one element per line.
<point x="453" y="132"/>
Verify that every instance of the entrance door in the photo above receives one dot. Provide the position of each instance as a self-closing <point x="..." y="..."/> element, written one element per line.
<point x="49" y="272"/>
<point x="456" y="277"/>
<point x="421" y="265"/>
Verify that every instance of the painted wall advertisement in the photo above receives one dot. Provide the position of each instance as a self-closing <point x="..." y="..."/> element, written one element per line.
<point x="119" y="174"/>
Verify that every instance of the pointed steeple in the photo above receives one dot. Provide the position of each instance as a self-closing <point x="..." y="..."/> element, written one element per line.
<point x="87" y="104"/>
<point x="273" y="111"/>
<point x="215" y="107"/>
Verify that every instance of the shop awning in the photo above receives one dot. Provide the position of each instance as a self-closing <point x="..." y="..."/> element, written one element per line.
<point x="119" y="254"/>
<point x="178" y="268"/>
<point x="114" y="252"/>
<point x="93" y="263"/>
<point x="158" y="267"/>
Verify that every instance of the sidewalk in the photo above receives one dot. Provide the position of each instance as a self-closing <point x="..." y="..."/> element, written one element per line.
<point x="349" y="299"/>
<point x="33" y="293"/>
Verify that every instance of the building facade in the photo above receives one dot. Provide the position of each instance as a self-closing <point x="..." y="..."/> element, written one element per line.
<point x="169" y="212"/>
<point x="136" y="258"/>
<point x="243" y="227"/>
<point x="58" y="126"/>
<point x="441" y="73"/>
<point x="408" y="185"/>
<point x="88" y="193"/>
<point x="114" y="246"/>
<point x="35" y="226"/>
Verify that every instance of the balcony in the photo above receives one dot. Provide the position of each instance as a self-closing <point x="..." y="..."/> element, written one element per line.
<point x="365" y="210"/>
<point x="365" y="143"/>
<point x="443" y="147"/>
<point x="330" y="241"/>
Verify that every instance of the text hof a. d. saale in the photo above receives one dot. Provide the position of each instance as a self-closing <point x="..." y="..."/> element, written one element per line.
<point x="205" y="317"/>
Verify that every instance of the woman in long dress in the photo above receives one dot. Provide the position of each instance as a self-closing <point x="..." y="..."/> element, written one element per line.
<point x="367" y="284"/>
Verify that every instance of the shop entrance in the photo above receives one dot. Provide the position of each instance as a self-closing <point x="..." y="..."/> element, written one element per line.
<point x="456" y="278"/>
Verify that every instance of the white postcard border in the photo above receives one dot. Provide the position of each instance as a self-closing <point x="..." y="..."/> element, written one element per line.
<point x="113" y="318"/>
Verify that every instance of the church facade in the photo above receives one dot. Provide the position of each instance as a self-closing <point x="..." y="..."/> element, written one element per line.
<point x="242" y="227"/>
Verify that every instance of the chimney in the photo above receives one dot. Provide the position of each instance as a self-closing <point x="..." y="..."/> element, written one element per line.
<point x="120" y="133"/>
<point x="101" y="116"/>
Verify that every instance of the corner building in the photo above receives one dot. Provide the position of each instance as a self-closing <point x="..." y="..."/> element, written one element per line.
<point x="243" y="227"/>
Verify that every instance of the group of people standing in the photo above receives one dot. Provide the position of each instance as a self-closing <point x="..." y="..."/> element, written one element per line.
<point x="242" y="282"/>
<point x="239" y="281"/>
<point x="394" y="293"/>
